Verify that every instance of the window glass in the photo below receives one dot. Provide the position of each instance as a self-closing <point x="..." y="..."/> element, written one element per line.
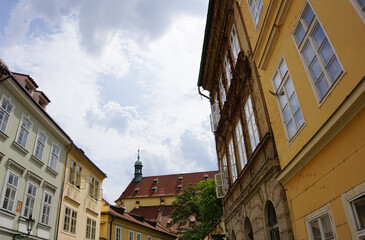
<point x="24" y="132"/>
<point x="5" y="111"/>
<point x="10" y="192"/>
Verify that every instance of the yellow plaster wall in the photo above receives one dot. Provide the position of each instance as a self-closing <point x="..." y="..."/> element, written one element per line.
<point x="130" y="203"/>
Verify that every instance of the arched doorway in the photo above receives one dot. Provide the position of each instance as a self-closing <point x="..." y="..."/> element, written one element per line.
<point x="248" y="233"/>
<point x="272" y="222"/>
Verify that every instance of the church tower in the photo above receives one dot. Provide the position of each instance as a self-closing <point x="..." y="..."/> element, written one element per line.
<point x="138" y="169"/>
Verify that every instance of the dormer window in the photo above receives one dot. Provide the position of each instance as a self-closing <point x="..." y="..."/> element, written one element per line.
<point x="155" y="181"/>
<point x="206" y="177"/>
<point x="180" y="179"/>
<point x="154" y="189"/>
<point x="179" y="187"/>
<point x="136" y="190"/>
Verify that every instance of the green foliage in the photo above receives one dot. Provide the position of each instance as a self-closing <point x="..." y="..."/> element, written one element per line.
<point x="198" y="200"/>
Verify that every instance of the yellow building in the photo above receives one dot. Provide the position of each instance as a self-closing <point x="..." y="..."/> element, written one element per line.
<point x="79" y="216"/>
<point x="117" y="224"/>
<point x="310" y="57"/>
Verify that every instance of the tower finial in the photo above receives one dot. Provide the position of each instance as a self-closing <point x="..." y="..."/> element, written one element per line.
<point x="138" y="153"/>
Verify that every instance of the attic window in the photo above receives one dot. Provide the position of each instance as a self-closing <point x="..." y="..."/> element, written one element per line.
<point x="41" y="103"/>
<point x="169" y="222"/>
<point x="155" y="180"/>
<point x="136" y="190"/>
<point x="206" y="177"/>
<point x="137" y="202"/>
<point x="154" y="189"/>
<point x="179" y="187"/>
<point x="162" y="200"/>
<point x="180" y="179"/>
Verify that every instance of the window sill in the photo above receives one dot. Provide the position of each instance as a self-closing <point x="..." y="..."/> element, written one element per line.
<point x="44" y="226"/>
<point x="40" y="162"/>
<point x="4" y="135"/>
<point x="92" y="199"/>
<point x="73" y="186"/>
<point x="7" y="213"/>
<point x="25" y="151"/>
<point x="52" y="171"/>
<point x="68" y="233"/>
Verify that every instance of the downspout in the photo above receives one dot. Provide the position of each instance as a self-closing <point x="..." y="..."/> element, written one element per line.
<point x="61" y="196"/>
<point x="111" y="227"/>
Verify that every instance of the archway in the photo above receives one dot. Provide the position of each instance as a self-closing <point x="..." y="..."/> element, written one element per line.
<point x="248" y="233"/>
<point x="272" y="221"/>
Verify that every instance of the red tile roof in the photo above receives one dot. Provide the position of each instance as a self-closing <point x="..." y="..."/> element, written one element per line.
<point x="166" y="186"/>
<point x="21" y="77"/>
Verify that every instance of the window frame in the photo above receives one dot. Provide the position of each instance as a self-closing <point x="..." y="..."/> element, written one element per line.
<point x="130" y="237"/>
<point x="228" y="70"/>
<point x="240" y="139"/>
<point x="149" y="237"/>
<point x="118" y="236"/>
<point x="43" y="145"/>
<point x="94" y="188"/>
<point x="70" y="220"/>
<point x="74" y="177"/>
<point x="9" y="114"/>
<point x="234" y="43"/>
<point x="315" y="216"/>
<point x="13" y="188"/>
<point x="21" y="128"/>
<point x="251" y="124"/>
<point x="259" y="11"/>
<point x="91" y="228"/>
<point x="308" y="39"/>
<point x="54" y="157"/>
<point x="138" y="234"/>
<point x="222" y="91"/>
<point x="358" y="9"/>
<point x="31" y="197"/>
<point x="360" y="233"/>
<point x="281" y="88"/>
<point x="232" y="158"/>
<point x="48" y="205"/>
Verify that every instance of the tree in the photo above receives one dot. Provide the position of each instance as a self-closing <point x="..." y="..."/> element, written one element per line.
<point x="200" y="201"/>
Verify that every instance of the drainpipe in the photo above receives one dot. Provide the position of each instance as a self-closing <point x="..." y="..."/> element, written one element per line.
<point x="61" y="196"/>
<point x="202" y="93"/>
<point x="111" y="226"/>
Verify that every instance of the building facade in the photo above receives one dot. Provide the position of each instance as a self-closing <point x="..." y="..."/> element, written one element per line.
<point x="254" y="202"/>
<point x="81" y="197"/>
<point x="32" y="158"/>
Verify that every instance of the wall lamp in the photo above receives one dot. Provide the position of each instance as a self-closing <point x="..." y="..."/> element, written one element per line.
<point x="29" y="222"/>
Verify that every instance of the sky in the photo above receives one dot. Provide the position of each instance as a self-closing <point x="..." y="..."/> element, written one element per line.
<point x="121" y="76"/>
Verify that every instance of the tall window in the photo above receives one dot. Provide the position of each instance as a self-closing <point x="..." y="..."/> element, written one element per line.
<point x="234" y="43"/>
<point x="241" y="145"/>
<point x="30" y="199"/>
<point x="91" y="229"/>
<point x="131" y="235"/>
<point x="149" y="238"/>
<point x="358" y="213"/>
<point x="225" y="166"/>
<point x="23" y="132"/>
<point x="233" y="160"/>
<point x="11" y="188"/>
<point x="55" y="154"/>
<point x="256" y="7"/>
<point x="69" y="224"/>
<point x="46" y="208"/>
<point x="320" y="227"/>
<point x="215" y="115"/>
<point x="360" y="8"/>
<point x="40" y="144"/>
<point x="138" y="236"/>
<point x="273" y="222"/>
<point x="94" y="188"/>
<point x="118" y="233"/>
<point x="75" y="174"/>
<point x="289" y="105"/>
<point x="318" y="56"/>
<point x="228" y="70"/>
<point x="222" y="92"/>
<point x="251" y="124"/>
<point x="5" y="110"/>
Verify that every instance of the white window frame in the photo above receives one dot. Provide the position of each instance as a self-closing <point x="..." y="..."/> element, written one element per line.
<point x="13" y="188"/>
<point x="234" y="43"/>
<point x="232" y="158"/>
<point x="241" y="144"/>
<point x="348" y="199"/>
<point x="359" y="10"/>
<point x="54" y="156"/>
<point x="130" y="235"/>
<point x="308" y="40"/>
<point x="6" y="112"/>
<point x="138" y="236"/>
<point x="75" y="174"/>
<point x="225" y="167"/>
<point x="94" y="188"/>
<point x="215" y="115"/>
<point x="251" y="124"/>
<point x="149" y="238"/>
<point x="70" y="220"/>
<point x="255" y="7"/>
<point x="30" y="198"/>
<point x="47" y="205"/>
<point x="222" y="92"/>
<point x="39" y="145"/>
<point x="21" y="130"/>
<point x="118" y="233"/>
<point x="228" y="70"/>
<point x="281" y="82"/>
<point x="91" y="229"/>
<point x="316" y="216"/>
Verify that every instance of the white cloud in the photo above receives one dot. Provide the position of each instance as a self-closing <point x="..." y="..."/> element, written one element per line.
<point x="169" y="122"/>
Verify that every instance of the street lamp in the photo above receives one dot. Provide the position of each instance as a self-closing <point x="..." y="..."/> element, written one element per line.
<point x="29" y="222"/>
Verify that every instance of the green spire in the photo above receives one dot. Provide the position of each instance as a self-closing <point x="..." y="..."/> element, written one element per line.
<point x="138" y="169"/>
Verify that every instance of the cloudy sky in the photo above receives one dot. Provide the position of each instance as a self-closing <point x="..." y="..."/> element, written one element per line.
<point x="121" y="74"/>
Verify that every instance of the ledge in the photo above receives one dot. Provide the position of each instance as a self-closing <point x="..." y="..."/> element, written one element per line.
<point x="16" y="165"/>
<point x="4" y="135"/>
<point x="7" y="213"/>
<point x="35" y="159"/>
<point x="44" y="226"/>
<point x="52" y="171"/>
<point x="25" y="151"/>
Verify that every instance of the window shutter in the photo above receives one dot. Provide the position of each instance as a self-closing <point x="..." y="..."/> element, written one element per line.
<point x="220" y="185"/>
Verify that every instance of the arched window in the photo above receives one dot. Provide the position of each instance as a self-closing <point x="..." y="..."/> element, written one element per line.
<point x="233" y="235"/>
<point x="272" y="222"/>
<point x="248" y="233"/>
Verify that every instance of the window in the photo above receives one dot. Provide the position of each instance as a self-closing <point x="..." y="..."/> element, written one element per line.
<point x="222" y="92"/>
<point x="131" y="235"/>
<point x="251" y="124"/>
<point x="155" y="181"/>
<point x="55" y="154"/>
<point x="225" y="168"/>
<point x="320" y="227"/>
<point x="358" y="213"/>
<point x="215" y="115"/>
<point x="5" y="111"/>
<point x="91" y="229"/>
<point x="228" y="70"/>
<point x="30" y="198"/>
<point x="154" y="189"/>
<point x="40" y="144"/>
<point x="46" y="208"/>
<point x="256" y="7"/>
<point x="241" y="145"/>
<point x="69" y="224"/>
<point x="234" y="43"/>
<point x="138" y="236"/>
<point x="179" y="187"/>
<point x="288" y="101"/>
<point x="360" y="8"/>
<point x="11" y="188"/>
<point x="149" y="238"/>
<point x="75" y="174"/>
<point x="180" y="179"/>
<point x="118" y="233"/>
<point x="273" y="222"/>
<point x="320" y="59"/>
<point x="94" y="188"/>
<point x="233" y="160"/>
<point x="23" y="132"/>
